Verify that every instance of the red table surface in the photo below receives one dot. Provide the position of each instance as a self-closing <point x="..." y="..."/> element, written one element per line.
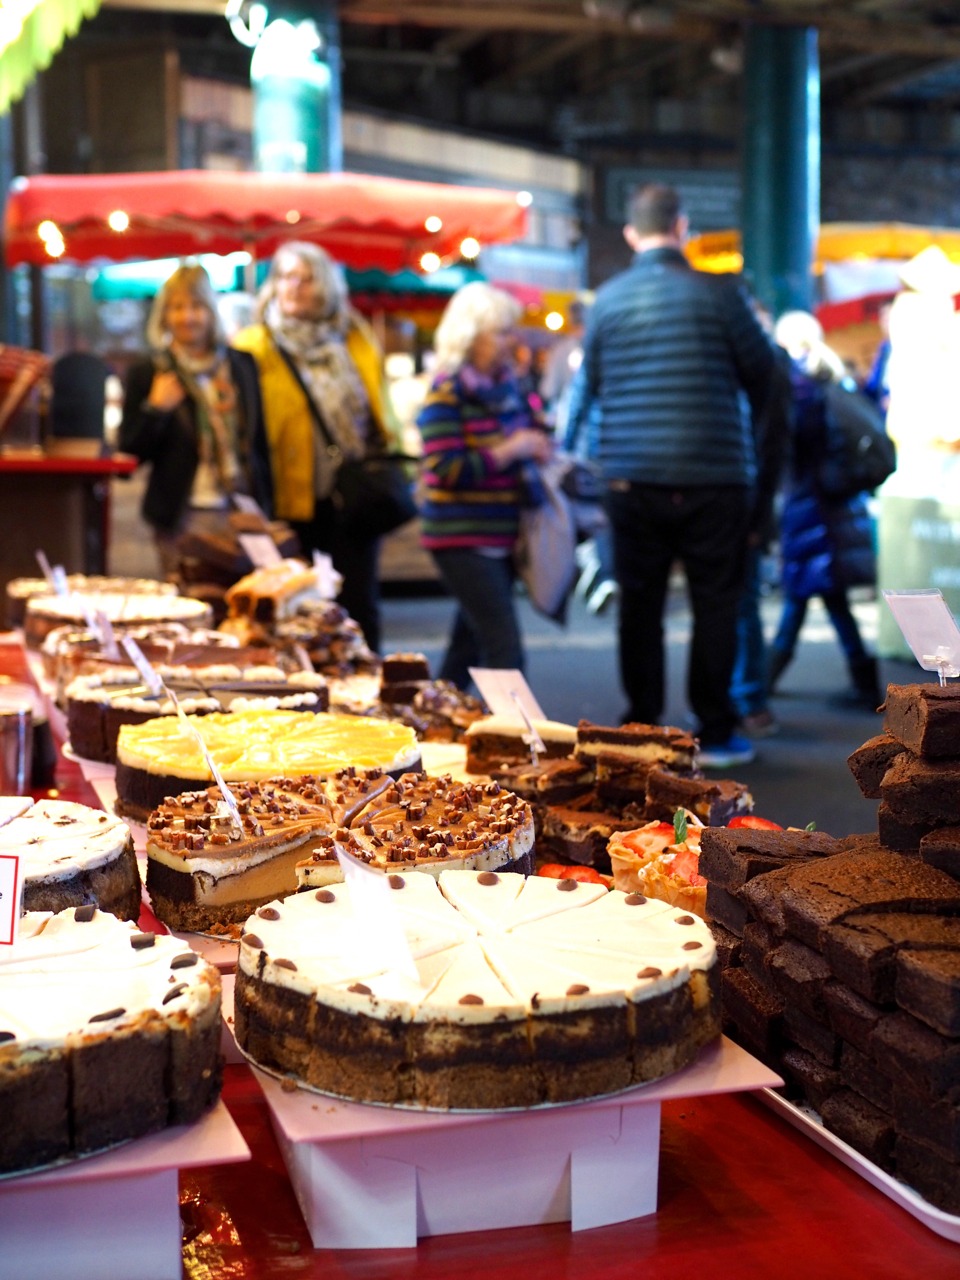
<point x="741" y="1194"/>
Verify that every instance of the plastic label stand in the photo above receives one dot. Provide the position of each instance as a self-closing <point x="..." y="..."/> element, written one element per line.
<point x="116" y="1213"/>
<point x="371" y="1177"/>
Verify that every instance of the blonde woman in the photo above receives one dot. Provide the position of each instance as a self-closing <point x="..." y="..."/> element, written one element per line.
<point x="478" y="431"/>
<point x="192" y="411"/>
<point x="325" y="400"/>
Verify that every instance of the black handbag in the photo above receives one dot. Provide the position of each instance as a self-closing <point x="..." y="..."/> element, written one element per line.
<point x="373" y="495"/>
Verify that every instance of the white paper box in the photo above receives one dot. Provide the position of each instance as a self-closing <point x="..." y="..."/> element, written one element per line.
<point x="371" y="1177"/>
<point x="116" y="1214"/>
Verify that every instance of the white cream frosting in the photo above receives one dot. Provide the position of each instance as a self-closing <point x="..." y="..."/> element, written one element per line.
<point x="132" y="609"/>
<point x="520" y="945"/>
<point x="507" y="726"/>
<point x="56" y="838"/>
<point x="61" y="973"/>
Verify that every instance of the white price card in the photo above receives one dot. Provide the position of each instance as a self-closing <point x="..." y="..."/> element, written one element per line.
<point x="260" y="549"/>
<point x="929" y="628"/>
<point x="11" y="888"/>
<point x="44" y="564"/>
<point x="329" y="581"/>
<point x="147" y="674"/>
<point x="506" y="693"/>
<point x="111" y="650"/>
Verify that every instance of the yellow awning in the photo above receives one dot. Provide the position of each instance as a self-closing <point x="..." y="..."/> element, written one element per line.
<point x="31" y="32"/>
<point x="837" y="242"/>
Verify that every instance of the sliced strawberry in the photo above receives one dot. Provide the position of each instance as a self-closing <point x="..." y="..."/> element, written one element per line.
<point x="585" y="874"/>
<point x="685" y="866"/>
<point x="552" y="870"/>
<point x="754" y="823"/>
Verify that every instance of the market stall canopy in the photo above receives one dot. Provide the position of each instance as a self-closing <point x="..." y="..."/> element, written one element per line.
<point x="837" y="242"/>
<point x="31" y="32"/>
<point x="362" y="221"/>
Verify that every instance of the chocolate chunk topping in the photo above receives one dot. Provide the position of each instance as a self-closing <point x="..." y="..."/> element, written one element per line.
<point x="361" y="989"/>
<point x="684" y="920"/>
<point x="577" y="989"/>
<point x="566" y="886"/>
<point x="109" y="1015"/>
<point x="324" y="895"/>
<point x="5" y="1036"/>
<point x="692" y="946"/>
<point x="172" y="994"/>
<point x="487" y="877"/>
<point x="252" y="940"/>
<point x="184" y="960"/>
<point x="140" y="941"/>
<point x="285" y="964"/>
<point x="268" y="913"/>
<point x="84" y="914"/>
<point x="396" y="882"/>
<point x="634" y="900"/>
<point x="651" y="971"/>
<point x="470" y="999"/>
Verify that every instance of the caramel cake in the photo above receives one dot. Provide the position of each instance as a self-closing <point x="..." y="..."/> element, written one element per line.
<point x="496" y="740"/>
<point x="43" y="613"/>
<point x="527" y="991"/>
<point x="159" y="758"/>
<point x="98" y="705"/>
<point x="203" y="874"/>
<point x="106" y="1034"/>
<point x="71" y="855"/>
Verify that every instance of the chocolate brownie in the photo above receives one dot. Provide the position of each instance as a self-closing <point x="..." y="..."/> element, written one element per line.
<point x="860" y="1074"/>
<point x="726" y="908"/>
<point x="579" y="834"/>
<point x="940" y="848"/>
<point x="816" y="1081"/>
<point x="730" y="857"/>
<point x="728" y="945"/>
<point x="902" y="837"/>
<point x="861" y="1125"/>
<point x="926" y="1170"/>
<point x="870" y="762"/>
<point x="905" y="1047"/>
<point x="799" y="974"/>
<point x="922" y="792"/>
<point x="714" y="801"/>
<point x="925" y="718"/>
<point x="935" y="1123"/>
<point x="811" y="1035"/>
<point x="757" y="1013"/>
<point x="852" y="1017"/>
<point x="928" y="982"/>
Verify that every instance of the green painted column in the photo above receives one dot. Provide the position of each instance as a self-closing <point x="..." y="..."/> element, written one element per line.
<point x="780" y="216"/>
<point x="295" y="72"/>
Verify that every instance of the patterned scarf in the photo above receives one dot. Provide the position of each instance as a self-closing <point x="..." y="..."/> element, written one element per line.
<point x="335" y="386"/>
<point x="209" y="385"/>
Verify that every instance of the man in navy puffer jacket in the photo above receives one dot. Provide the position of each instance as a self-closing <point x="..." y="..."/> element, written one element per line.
<point x="680" y="368"/>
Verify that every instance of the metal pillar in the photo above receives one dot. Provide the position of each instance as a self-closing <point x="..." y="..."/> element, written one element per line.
<point x="781" y="165"/>
<point x="295" y="71"/>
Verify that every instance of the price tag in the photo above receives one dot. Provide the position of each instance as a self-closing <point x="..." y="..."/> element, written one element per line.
<point x="260" y="549"/>
<point x="11" y="888"/>
<point x="44" y="564"/>
<point x="301" y="655"/>
<point x="378" y="931"/>
<point x="507" y="693"/>
<point x="92" y="620"/>
<point x="111" y="650"/>
<point x="929" y="628"/>
<point x="147" y="674"/>
<point x="329" y="581"/>
<point x="211" y="764"/>
<point x="61" y="586"/>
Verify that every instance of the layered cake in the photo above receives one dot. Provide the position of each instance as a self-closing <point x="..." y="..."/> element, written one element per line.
<point x="97" y="706"/>
<point x="495" y="740"/>
<point x="106" y="1034"/>
<point x="160" y="758"/>
<point x="502" y="991"/>
<point x="71" y="855"/>
<point x="21" y="590"/>
<point x="44" y="613"/>
<point x="623" y="756"/>
<point x="203" y="873"/>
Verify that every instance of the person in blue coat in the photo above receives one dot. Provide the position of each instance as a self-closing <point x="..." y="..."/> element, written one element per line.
<point x="826" y="543"/>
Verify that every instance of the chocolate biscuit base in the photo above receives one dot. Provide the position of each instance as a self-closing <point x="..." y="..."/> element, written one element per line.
<point x="114" y="887"/>
<point x="714" y="801"/>
<point x="921" y="792"/>
<point x="924" y="718"/>
<point x="870" y="761"/>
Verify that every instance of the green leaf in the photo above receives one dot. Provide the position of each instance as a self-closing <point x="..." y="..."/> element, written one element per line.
<point x="811" y="826"/>
<point x="680" y="827"/>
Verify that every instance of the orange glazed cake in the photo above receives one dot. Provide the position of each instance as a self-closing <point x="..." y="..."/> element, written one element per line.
<point x="160" y="758"/>
<point x="203" y="873"/>
<point x="527" y="991"/>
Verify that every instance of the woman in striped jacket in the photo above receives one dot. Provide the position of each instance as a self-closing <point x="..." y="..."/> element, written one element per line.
<point x="480" y="435"/>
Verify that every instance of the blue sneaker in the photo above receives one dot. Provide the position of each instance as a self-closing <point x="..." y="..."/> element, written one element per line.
<point x="725" y="755"/>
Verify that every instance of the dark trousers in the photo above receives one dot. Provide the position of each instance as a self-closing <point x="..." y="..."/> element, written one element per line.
<point x="704" y="529"/>
<point x="357" y="559"/>
<point x="841" y="615"/>
<point x="485" y="632"/>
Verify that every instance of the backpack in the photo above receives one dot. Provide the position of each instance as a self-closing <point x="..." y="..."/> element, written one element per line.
<point x="858" y="454"/>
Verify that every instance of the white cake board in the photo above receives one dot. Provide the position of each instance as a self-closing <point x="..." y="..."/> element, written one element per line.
<point x="114" y="1214"/>
<point x="369" y="1177"/>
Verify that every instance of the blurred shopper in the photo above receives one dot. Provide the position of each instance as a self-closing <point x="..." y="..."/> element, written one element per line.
<point x="320" y="363"/>
<point x="668" y="354"/>
<point x="479" y="440"/>
<point x="826" y="542"/>
<point x="192" y="410"/>
<point x="876" y="385"/>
